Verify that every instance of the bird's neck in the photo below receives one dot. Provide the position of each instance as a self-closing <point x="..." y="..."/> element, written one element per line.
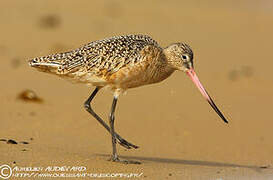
<point x="169" y="58"/>
<point x="161" y="69"/>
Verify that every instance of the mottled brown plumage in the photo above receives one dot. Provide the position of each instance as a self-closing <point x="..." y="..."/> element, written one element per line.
<point x="121" y="62"/>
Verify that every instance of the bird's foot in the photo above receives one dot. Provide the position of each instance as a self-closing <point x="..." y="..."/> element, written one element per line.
<point x="123" y="161"/>
<point x="125" y="143"/>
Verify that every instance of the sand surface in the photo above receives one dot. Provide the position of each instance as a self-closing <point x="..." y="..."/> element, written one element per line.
<point x="179" y="135"/>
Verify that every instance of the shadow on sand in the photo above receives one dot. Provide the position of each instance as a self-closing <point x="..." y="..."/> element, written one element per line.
<point x="190" y="162"/>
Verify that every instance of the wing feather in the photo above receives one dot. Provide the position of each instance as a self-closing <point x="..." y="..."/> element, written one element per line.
<point x="109" y="54"/>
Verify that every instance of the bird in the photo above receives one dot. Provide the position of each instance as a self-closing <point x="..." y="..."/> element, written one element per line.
<point x="120" y="63"/>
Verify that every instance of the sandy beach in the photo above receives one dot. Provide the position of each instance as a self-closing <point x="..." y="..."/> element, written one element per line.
<point x="178" y="134"/>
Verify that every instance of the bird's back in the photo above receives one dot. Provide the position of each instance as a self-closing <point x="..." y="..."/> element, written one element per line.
<point x="108" y="54"/>
<point x="119" y="60"/>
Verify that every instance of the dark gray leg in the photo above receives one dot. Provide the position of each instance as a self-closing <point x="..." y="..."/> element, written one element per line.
<point x="112" y="130"/>
<point x="89" y="109"/>
<point x="113" y="134"/>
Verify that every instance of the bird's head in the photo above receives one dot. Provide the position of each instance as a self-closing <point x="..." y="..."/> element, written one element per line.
<point x="179" y="56"/>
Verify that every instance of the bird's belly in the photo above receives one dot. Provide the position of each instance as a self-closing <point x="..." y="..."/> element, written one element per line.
<point x="87" y="78"/>
<point x="141" y="75"/>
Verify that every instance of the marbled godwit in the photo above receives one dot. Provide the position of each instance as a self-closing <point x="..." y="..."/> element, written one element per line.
<point x="121" y="62"/>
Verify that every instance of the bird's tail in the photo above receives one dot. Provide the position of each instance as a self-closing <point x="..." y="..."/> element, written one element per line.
<point x="48" y="64"/>
<point x="61" y="63"/>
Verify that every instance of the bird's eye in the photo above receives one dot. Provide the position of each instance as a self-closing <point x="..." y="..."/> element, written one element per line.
<point x="185" y="57"/>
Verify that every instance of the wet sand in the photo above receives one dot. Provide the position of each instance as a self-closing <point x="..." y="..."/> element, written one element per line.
<point x="179" y="135"/>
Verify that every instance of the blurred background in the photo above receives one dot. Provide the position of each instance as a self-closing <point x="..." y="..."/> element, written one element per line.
<point x="232" y="44"/>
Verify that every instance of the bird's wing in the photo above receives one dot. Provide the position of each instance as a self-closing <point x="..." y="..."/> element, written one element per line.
<point x="113" y="53"/>
<point x="108" y="54"/>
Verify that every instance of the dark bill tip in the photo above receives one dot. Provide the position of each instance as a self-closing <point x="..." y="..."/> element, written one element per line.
<point x="210" y="101"/>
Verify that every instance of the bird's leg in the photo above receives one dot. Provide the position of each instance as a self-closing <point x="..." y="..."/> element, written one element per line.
<point x="112" y="130"/>
<point x="114" y="156"/>
<point x="87" y="106"/>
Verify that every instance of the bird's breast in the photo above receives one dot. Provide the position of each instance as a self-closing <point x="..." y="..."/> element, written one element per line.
<point x="139" y="75"/>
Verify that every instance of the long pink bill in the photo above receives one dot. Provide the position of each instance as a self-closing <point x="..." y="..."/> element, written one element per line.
<point x="198" y="84"/>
